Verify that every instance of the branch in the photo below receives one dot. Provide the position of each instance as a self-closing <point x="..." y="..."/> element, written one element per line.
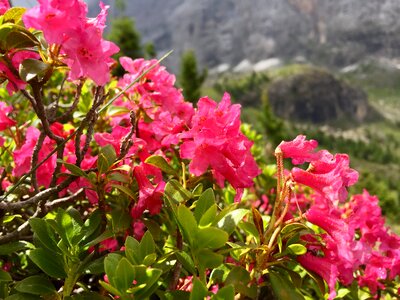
<point x="74" y="196"/>
<point x="21" y="230"/>
<point x="34" y="159"/>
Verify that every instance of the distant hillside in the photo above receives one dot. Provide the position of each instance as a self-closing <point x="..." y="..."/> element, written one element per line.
<point x="336" y="32"/>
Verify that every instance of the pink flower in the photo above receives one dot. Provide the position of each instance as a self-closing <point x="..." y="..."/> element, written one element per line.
<point x="56" y="18"/>
<point x="5" y="121"/>
<point x="299" y="150"/>
<point x="149" y="195"/>
<point x="329" y="175"/>
<point x="65" y="23"/>
<point x="214" y="140"/>
<point x="166" y="112"/>
<point x="323" y="267"/>
<point x="4" y="6"/>
<point x="88" y="54"/>
<point x="16" y="58"/>
<point x="23" y="156"/>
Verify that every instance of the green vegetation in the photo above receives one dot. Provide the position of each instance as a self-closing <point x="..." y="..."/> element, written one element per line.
<point x="189" y="78"/>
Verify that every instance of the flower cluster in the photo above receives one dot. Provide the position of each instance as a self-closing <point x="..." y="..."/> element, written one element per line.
<point x="355" y="239"/>
<point x="64" y="23"/>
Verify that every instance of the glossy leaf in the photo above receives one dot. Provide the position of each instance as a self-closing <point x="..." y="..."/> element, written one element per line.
<point x="14" y="15"/>
<point x="209" y="259"/>
<point x="229" y="222"/>
<point x="206" y="200"/>
<point x="48" y="262"/>
<point x="36" y="285"/>
<point x="176" y="192"/>
<point x="44" y="233"/>
<point x="186" y="261"/>
<point x="283" y="288"/>
<point x="75" y="170"/>
<point x="211" y="237"/>
<point x="209" y="216"/>
<point x="161" y="163"/>
<point x="33" y="68"/>
<point x="199" y="290"/>
<point x="147" y="245"/>
<point x="225" y="293"/>
<point x="5" y="276"/>
<point x="187" y="223"/>
<point x="297" y="249"/>
<point x="124" y="275"/>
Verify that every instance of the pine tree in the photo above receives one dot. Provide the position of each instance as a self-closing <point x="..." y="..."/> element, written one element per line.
<point x="190" y="79"/>
<point x="125" y="35"/>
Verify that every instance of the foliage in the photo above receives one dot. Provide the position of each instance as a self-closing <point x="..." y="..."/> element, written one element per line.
<point x="189" y="78"/>
<point x="119" y="188"/>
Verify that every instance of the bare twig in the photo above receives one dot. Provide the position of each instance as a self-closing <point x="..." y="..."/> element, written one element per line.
<point x="34" y="159"/>
<point x="70" y="198"/>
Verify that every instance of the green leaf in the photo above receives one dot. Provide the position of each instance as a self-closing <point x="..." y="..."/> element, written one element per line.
<point x="124" y="190"/>
<point x="110" y="262"/>
<point x="225" y="293"/>
<point x="211" y="237"/>
<point x="186" y="261"/>
<point x="69" y="227"/>
<point x="149" y="259"/>
<point x="161" y="163"/>
<point x="121" y="220"/>
<point x="13" y="36"/>
<point x="209" y="259"/>
<point x="105" y="235"/>
<point x="89" y="296"/>
<point x="187" y="223"/>
<point x="14" y="15"/>
<point x="124" y="275"/>
<point x="95" y="267"/>
<point x="91" y="224"/>
<point x="49" y="262"/>
<point x="297" y="249"/>
<point x="33" y="68"/>
<point x="10" y="218"/>
<point x="176" y="192"/>
<point x="229" y="222"/>
<point x="12" y="247"/>
<point x="206" y="200"/>
<point x="109" y="288"/>
<point x="117" y="176"/>
<point x="102" y="163"/>
<point x="44" y="233"/>
<point x="75" y="170"/>
<point x="132" y="250"/>
<point x="283" y="287"/>
<point x="238" y="275"/>
<point x="36" y="285"/>
<point x="199" y="290"/>
<point x="293" y="228"/>
<point x="109" y="153"/>
<point x="147" y="245"/>
<point x="23" y="296"/>
<point x="147" y="279"/>
<point x="5" y="276"/>
<point x="209" y="216"/>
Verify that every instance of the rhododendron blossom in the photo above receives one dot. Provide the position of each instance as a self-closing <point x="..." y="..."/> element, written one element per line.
<point x="5" y="121"/>
<point x="299" y="150"/>
<point x="214" y="140"/>
<point x="4" y="6"/>
<point x="64" y="23"/>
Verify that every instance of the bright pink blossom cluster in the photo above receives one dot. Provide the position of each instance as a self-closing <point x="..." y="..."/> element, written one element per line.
<point x="65" y="24"/>
<point x="355" y="239"/>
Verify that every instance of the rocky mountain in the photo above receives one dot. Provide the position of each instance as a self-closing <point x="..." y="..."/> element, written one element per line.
<point x="334" y="33"/>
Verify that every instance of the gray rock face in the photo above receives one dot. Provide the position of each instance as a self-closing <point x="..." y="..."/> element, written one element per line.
<point x="336" y="32"/>
<point x="316" y="96"/>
